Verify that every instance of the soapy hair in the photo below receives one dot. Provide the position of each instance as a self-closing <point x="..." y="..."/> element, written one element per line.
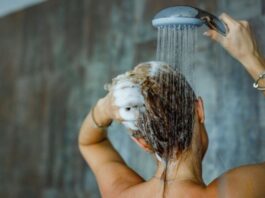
<point x="167" y="122"/>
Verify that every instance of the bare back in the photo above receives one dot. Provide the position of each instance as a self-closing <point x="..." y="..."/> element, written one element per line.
<point x="242" y="182"/>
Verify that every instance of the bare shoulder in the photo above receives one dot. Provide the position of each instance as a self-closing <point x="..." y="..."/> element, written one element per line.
<point x="243" y="181"/>
<point x="158" y="189"/>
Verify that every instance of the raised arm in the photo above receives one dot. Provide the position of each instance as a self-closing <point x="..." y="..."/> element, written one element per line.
<point x="112" y="174"/>
<point x="240" y="43"/>
<point x="244" y="181"/>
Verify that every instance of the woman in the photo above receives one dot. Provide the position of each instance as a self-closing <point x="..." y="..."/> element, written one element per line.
<point x="179" y="149"/>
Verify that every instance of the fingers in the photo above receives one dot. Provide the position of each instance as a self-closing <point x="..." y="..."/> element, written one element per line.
<point x="228" y="19"/>
<point x="245" y="24"/>
<point x="117" y="114"/>
<point x="231" y="21"/>
<point x="214" y="35"/>
<point x="126" y="102"/>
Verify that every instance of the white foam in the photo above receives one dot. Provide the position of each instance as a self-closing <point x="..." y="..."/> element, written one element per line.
<point x="155" y="66"/>
<point x="129" y="99"/>
<point x="130" y="125"/>
<point x="128" y="96"/>
<point x="124" y="84"/>
<point x="129" y="113"/>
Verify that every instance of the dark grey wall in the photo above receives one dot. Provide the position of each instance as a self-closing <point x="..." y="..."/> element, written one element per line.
<point x="55" y="59"/>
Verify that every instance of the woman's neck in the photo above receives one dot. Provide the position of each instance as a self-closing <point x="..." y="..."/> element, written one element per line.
<point x="188" y="169"/>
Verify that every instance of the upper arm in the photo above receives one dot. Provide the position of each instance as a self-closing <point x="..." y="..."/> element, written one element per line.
<point x="244" y="181"/>
<point x="112" y="174"/>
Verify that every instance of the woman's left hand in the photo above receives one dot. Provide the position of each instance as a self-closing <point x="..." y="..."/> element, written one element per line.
<point x="122" y="104"/>
<point x="108" y="109"/>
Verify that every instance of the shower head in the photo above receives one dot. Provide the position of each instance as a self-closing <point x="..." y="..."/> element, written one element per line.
<point x="187" y="15"/>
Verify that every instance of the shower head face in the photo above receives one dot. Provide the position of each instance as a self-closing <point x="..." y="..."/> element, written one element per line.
<point x="187" y="15"/>
<point x="179" y="15"/>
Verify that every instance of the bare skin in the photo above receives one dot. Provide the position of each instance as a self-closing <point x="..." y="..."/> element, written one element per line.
<point x="116" y="179"/>
<point x="241" y="45"/>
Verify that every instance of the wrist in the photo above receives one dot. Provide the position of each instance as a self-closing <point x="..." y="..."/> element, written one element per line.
<point x="254" y="64"/>
<point x="101" y="116"/>
<point x="252" y="59"/>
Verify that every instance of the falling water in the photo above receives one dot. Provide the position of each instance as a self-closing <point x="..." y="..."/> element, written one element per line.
<point x="176" y="46"/>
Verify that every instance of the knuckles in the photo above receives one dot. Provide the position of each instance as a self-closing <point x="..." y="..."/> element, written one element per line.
<point x="244" y="23"/>
<point x="239" y="26"/>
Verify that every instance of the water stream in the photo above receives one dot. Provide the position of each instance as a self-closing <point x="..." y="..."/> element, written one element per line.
<point x="176" y="46"/>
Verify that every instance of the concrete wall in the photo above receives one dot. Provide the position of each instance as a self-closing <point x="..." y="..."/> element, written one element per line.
<point x="55" y="59"/>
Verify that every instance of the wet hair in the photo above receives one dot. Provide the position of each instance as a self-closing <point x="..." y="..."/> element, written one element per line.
<point x="167" y="123"/>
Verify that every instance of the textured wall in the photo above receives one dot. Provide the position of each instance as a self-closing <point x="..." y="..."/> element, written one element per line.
<point x="54" y="61"/>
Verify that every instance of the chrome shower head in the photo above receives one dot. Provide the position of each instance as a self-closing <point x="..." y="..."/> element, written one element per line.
<point x="187" y="15"/>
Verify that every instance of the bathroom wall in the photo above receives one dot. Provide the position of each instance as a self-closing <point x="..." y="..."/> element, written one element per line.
<point x="54" y="61"/>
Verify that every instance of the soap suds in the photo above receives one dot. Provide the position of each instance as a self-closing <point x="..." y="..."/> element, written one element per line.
<point x="155" y="66"/>
<point x="130" y="125"/>
<point x="129" y="99"/>
<point x="128" y="94"/>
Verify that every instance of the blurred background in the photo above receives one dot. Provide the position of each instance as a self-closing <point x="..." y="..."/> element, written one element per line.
<point x="56" y="56"/>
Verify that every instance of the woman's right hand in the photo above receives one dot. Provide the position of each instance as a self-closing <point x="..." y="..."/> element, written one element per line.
<point x="239" y="41"/>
